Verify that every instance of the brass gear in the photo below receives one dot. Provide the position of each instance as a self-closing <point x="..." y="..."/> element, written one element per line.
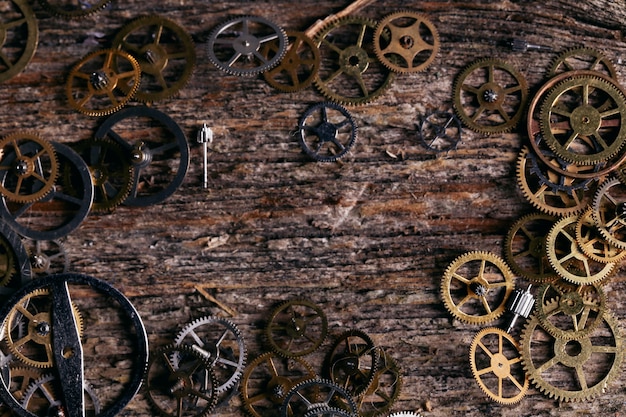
<point x="165" y="53"/>
<point x="568" y="260"/>
<point x="103" y="82"/>
<point x="582" y="59"/>
<point x="490" y="96"/>
<point x="569" y="311"/>
<point x="20" y="378"/>
<point x="384" y="390"/>
<point x="593" y="244"/>
<point x="559" y="368"/>
<point x="496" y="365"/>
<point x="476" y="286"/>
<point x="298" y="67"/>
<point x="406" y="42"/>
<point x="18" y="18"/>
<point x="350" y="73"/>
<point x="609" y="215"/>
<point x="7" y="262"/>
<point x="28" y="167"/>
<point x="583" y="119"/>
<point x="70" y="9"/>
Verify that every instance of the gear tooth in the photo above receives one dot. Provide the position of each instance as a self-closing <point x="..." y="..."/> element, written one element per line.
<point x="74" y="14"/>
<point x="581" y="50"/>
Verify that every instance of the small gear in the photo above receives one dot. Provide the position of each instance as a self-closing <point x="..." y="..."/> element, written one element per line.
<point x="609" y="211"/>
<point x="307" y="395"/>
<point x="16" y="50"/>
<point x="490" y="96"/>
<point x="593" y="244"/>
<point x="20" y="378"/>
<point x="384" y="390"/>
<point x="103" y="82"/>
<point x="47" y="257"/>
<point x="583" y="119"/>
<point x="582" y="59"/>
<point x="43" y="398"/>
<point x="298" y="68"/>
<point x="165" y="53"/>
<point x="350" y="73"/>
<point x="327" y="131"/>
<point x="440" y="131"/>
<point x="406" y="42"/>
<point x="72" y="10"/>
<point x="326" y="411"/>
<point x="15" y="270"/>
<point x="476" y="286"/>
<point x="235" y="46"/>
<point x="496" y="365"/>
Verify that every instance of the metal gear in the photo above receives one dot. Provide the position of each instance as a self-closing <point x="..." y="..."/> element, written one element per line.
<point x="267" y="380"/>
<point x="235" y="46"/>
<point x="47" y="257"/>
<point x="15" y="270"/>
<point x="28" y="166"/>
<point x="71" y="10"/>
<point x="42" y="398"/>
<point x="525" y="247"/>
<point x="560" y="368"/>
<point x="165" y="53"/>
<point x="568" y="311"/>
<point x="609" y="211"/>
<point x="19" y="378"/>
<point x="298" y="67"/>
<point x="352" y="362"/>
<point x="15" y="50"/>
<point x="490" y="96"/>
<point x="296" y="328"/>
<point x="350" y="73"/>
<point x="384" y="390"/>
<point x="568" y="260"/>
<point x="327" y="131"/>
<point x="582" y="59"/>
<point x="406" y="42"/>
<point x="593" y="244"/>
<point x="440" y="131"/>
<point x="496" y="365"/>
<point x="405" y="414"/>
<point x="325" y="411"/>
<point x="476" y="286"/>
<point x="103" y="82"/>
<point x="583" y="119"/>
<point x="307" y="395"/>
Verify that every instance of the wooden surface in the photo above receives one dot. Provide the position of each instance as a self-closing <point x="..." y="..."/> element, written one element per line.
<point x="368" y="238"/>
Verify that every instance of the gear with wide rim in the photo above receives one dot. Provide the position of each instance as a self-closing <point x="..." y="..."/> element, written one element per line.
<point x="406" y="42"/>
<point x="20" y="18"/>
<point x="490" y="96"/>
<point x="476" y="286"/>
<point x="312" y="393"/>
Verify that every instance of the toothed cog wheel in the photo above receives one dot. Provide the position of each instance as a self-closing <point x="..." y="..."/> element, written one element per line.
<point x="19" y="36"/>
<point x="582" y="59"/>
<point x="327" y="132"/>
<point x="308" y="395"/>
<point x="73" y="9"/>
<point x="609" y="211"/>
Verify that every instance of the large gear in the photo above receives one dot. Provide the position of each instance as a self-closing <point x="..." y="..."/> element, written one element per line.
<point x="496" y="365"/>
<point x="72" y="10"/>
<point x="235" y="46"/>
<point x="572" y="370"/>
<point x="165" y="53"/>
<point x="490" y="96"/>
<point x="406" y="42"/>
<point x="384" y="390"/>
<point x="476" y="286"/>
<point x="350" y="73"/>
<point x="307" y="395"/>
<point x="16" y="51"/>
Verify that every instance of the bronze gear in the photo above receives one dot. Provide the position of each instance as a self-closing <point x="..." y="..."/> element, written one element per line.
<point x="582" y="59"/>
<point x="593" y="244"/>
<point x="19" y="18"/>
<point x="609" y="204"/>
<point x="70" y="9"/>
<point x="298" y="68"/>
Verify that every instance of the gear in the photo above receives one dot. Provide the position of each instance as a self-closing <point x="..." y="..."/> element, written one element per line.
<point x="19" y="378"/>
<point x="221" y="342"/>
<point x="592" y="243"/>
<point x="327" y="131"/>
<point x="568" y="260"/>
<point x="103" y="82"/>
<point x="298" y="67"/>
<point x="384" y="390"/>
<point x="70" y="10"/>
<point x="185" y="386"/>
<point x="525" y="247"/>
<point x="42" y="398"/>
<point x="490" y="96"/>
<point x="28" y="167"/>
<point x="47" y="257"/>
<point x="16" y="51"/>
<point x="325" y="411"/>
<point x="309" y="394"/>
<point x="406" y="42"/>
<point x="572" y="370"/>
<point x="15" y="270"/>
<point x="496" y="366"/>
<point x="278" y="376"/>
<point x="583" y="119"/>
<point x="582" y="59"/>
<point x="235" y="46"/>
<point x="165" y="53"/>
<point x="350" y="73"/>
<point x="405" y="414"/>
<point x="476" y="286"/>
<point x="296" y="328"/>
<point x="609" y="212"/>
<point x="352" y="362"/>
<point x="440" y="131"/>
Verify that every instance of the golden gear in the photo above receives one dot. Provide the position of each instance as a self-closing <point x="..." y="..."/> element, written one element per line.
<point x="18" y="19"/>
<point x="69" y="9"/>
<point x="7" y="262"/>
<point x="609" y="204"/>
<point x="490" y="96"/>
<point x="582" y="59"/>
<point x="496" y="365"/>
<point x="583" y="119"/>
<point x="568" y="260"/>
<point x="476" y="286"/>
<point x="20" y="380"/>
<point x="279" y="375"/>
<point x="34" y="312"/>
<point x="406" y="42"/>
<point x="568" y="311"/>
<point x="165" y="53"/>
<point x="560" y="368"/>
<point x="525" y="247"/>
<point x="570" y="196"/>
<point x="384" y="389"/>
<point x="298" y="68"/>
<point x="103" y="82"/>
<point x="350" y="73"/>
<point x="593" y="244"/>
<point x="28" y="167"/>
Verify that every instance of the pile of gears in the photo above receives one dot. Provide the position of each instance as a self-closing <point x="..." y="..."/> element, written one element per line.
<point x="570" y="347"/>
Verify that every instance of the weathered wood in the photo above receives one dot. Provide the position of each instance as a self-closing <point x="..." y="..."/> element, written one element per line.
<point x="368" y="238"/>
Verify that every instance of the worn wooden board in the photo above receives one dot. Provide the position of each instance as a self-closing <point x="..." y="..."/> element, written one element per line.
<point x="368" y="238"/>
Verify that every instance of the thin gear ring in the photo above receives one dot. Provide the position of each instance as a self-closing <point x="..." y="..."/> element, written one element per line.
<point x="327" y="131"/>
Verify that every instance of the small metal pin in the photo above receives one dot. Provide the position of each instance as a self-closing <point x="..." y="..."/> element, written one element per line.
<point x="520" y="304"/>
<point x="520" y="45"/>
<point x="205" y="136"/>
